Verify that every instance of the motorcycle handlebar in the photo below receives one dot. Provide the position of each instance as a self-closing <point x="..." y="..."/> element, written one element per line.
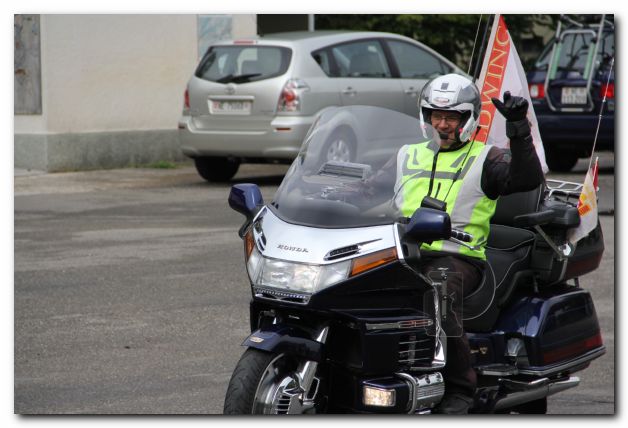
<point x="461" y="236"/>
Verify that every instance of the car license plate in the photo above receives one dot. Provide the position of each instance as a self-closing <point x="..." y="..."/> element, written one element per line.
<point x="230" y="107"/>
<point x="573" y="96"/>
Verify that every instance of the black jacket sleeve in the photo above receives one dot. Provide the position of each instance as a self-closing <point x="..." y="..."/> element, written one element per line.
<point x="515" y="170"/>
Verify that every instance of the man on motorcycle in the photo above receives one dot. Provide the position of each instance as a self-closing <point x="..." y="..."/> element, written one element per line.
<point x="465" y="178"/>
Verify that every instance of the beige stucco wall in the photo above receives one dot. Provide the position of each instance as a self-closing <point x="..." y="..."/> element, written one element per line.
<point x="116" y="72"/>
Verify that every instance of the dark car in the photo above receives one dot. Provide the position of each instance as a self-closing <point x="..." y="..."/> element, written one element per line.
<point x="567" y="112"/>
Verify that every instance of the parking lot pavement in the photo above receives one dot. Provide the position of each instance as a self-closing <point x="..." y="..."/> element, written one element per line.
<point x="130" y="294"/>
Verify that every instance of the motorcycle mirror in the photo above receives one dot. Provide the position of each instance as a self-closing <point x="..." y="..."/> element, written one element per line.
<point x="427" y="225"/>
<point x="246" y="199"/>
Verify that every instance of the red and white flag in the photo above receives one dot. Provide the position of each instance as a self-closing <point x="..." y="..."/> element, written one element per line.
<point x="587" y="206"/>
<point x="502" y="71"/>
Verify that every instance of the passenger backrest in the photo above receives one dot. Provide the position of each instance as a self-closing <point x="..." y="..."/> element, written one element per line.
<point x="510" y="206"/>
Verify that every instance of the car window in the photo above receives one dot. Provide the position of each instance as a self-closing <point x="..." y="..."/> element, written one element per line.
<point x="322" y="59"/>
<point x="414" y="62"/>
<point x="573" y="46"/>
<point x="360" y="59"/>
<point x="240" y="64"/>
<point x="606" y="50"/>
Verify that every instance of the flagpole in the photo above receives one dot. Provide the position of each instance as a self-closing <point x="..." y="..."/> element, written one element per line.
<point x="481" y="55"/>
<point x="474" y="43"/>
<point x="599" y="121"/>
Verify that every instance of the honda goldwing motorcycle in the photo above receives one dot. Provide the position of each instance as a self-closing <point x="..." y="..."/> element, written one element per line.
<point x="343" y="320"/>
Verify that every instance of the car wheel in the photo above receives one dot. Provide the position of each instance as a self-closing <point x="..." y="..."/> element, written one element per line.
<point x="216" y="168"/>
<point x="341" y="146"/>
<point x="560" y="161"/>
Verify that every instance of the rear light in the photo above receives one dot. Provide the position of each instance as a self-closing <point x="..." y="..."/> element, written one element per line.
<point x="290" y="98"/>
<point x="607" y="91"/>
<point x="537" y="90"/>
<point x="186" y="99"/>
<point x="572" y="350"/>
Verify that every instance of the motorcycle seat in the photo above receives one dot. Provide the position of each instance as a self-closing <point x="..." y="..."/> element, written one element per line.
<point x="508" y="253"/>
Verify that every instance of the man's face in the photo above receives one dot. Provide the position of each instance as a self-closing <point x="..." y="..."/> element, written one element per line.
<point x="445" y="123"/>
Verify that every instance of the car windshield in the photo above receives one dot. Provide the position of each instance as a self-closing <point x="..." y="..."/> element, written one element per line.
<point x="345" y="173"/>
<point x="240" y="64"/>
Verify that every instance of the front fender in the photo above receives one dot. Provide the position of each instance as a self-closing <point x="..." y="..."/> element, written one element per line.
<point x="283" y="339"/>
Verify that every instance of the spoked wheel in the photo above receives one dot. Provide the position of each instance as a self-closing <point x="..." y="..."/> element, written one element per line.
<point x="267" y="383"/>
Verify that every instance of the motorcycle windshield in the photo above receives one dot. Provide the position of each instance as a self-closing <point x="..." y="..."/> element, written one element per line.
<point x="345" y="174"/>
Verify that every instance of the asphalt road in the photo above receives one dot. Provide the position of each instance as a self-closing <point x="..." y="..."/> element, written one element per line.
<point x="130" y="295"/>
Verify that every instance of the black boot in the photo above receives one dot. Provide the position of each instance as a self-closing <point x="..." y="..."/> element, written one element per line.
<point x="454" y="404"/>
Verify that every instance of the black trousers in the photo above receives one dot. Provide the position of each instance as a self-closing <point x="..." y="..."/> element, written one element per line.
<point x="462" y="278"/>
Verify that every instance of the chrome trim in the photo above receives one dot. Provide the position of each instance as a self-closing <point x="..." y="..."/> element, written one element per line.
<point x="398" y="244"/>
<point x="413" y="384"/>
<point x="425" y="391"/>
<point x="283" y="296"/>
<point x="351" y="250"/>
<point x="534" y="390"/>
<point x="495" y="371"/>
<point x="560" y="386"/>
<point x="306" y="374"/>
<point x="566" y="188"/>
<point x="542" y="371"/>
<point x="399" y="325"/>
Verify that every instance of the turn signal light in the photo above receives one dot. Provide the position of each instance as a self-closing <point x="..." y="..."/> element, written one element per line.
<point x="371" y="261"/>
<point x="249" y="244"/>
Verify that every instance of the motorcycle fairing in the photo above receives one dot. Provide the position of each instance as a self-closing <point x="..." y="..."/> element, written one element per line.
<point x="278" y="239"/>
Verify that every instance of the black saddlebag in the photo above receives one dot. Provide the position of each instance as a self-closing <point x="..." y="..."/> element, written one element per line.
<point x="559" y="327"/>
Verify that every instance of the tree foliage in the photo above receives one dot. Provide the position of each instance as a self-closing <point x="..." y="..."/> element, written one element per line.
<point x="450" y="35"/>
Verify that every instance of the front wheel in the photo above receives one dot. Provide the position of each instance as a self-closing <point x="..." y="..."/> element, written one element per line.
<point x="266" y="383"/>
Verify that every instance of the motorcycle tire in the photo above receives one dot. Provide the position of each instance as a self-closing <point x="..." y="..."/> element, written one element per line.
<point x="256" y="380"/>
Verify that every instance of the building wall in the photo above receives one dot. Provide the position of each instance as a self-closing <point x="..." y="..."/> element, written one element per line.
<point x="112" y="89"/>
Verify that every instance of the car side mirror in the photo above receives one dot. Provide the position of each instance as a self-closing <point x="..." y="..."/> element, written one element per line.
<point x="428" y="225"/>
<point x="246" y="199"/>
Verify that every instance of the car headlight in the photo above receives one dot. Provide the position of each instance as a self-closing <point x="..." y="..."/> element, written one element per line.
<point x="298" y="277"/>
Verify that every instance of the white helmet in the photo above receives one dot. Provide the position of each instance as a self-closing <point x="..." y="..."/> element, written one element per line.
<point x="456" y="93"/>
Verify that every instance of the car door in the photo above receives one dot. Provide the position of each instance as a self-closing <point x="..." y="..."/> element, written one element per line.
<point x="363" y="75"/>
<point x="416" y="66"/>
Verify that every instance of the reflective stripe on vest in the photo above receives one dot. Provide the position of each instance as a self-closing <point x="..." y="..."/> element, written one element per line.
<point x="467" y="205"/>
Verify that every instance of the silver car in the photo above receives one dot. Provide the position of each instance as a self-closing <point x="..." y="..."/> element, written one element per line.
<point x="253" y="100"/>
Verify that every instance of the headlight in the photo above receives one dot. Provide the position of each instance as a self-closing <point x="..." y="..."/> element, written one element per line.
<point x="299" y="277"/>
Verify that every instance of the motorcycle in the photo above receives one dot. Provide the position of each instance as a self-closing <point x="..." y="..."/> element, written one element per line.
<point x="344" y="321"/>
